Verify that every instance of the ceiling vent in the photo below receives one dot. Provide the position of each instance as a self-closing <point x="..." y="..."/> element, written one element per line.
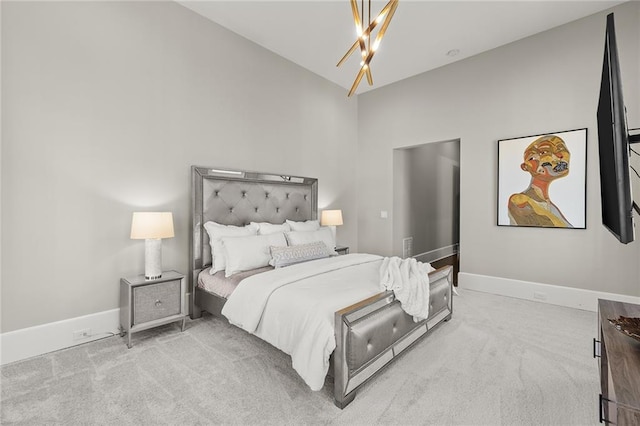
<point x="407" y="247"/>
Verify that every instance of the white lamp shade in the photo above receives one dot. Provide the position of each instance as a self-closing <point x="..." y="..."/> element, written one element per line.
<point x="146" y="225"/>
<point x="331" y="218"/>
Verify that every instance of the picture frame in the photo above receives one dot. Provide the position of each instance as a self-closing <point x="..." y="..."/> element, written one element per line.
<point x="542" y="180"/>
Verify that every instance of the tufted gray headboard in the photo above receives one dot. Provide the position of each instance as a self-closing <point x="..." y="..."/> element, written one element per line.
<point x="235" y="197"/>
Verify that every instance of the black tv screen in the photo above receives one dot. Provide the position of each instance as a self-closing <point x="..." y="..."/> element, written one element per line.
<point x="613" y="142"/>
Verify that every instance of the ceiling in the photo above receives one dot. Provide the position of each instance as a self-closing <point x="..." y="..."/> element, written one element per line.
<point x="316" y="34"/>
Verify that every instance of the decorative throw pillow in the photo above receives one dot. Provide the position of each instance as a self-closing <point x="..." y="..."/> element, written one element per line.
<point x="309" y="225"/>
<point x="216" y="232"/>
<point x="323" y="234"/>
<point x="246" y="253"/>
<point x="285" y="256"/>
<point x="266" y="228"/>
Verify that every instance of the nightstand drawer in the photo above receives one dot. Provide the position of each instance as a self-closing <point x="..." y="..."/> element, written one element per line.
<point x="156" y="301"/>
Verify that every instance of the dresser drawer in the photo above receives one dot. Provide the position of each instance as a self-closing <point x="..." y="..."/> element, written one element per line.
<point x="156" y="301"/>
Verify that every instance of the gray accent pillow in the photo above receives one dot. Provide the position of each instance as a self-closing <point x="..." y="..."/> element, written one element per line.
<point x="286" y="256"/>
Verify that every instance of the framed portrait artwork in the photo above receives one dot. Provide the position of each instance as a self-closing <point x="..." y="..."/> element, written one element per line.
<point x="542" y="180"/>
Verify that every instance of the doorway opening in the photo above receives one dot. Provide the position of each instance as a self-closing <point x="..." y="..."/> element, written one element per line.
<point x="426" y="203"/>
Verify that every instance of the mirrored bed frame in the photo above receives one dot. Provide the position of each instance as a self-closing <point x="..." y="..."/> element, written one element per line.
<point x="369" y="334"/>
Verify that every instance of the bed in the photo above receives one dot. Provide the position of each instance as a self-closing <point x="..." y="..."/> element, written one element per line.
<point x="367" y="329"/>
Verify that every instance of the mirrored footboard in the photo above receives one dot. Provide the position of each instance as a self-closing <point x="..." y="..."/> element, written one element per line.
<point x="372" y="333"/>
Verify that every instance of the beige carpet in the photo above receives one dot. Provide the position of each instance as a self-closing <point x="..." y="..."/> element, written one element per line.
<point x="499" y="361"/>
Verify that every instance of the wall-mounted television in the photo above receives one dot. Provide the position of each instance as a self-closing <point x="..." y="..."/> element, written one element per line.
<point x="614" y="145"/>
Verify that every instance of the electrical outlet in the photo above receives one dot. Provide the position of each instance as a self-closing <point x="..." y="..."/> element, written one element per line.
<point x="539" y="296"/>
<point x="82" y="334"/>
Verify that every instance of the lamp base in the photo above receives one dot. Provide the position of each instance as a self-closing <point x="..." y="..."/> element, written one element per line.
<point x="333" y="234"/>
<point x="152" y="258"/>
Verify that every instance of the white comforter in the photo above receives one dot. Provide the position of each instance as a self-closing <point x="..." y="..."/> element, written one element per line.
<point x="293" y="308"/>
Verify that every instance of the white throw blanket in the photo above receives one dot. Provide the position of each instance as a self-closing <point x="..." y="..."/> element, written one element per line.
<point x="409" y="281"/>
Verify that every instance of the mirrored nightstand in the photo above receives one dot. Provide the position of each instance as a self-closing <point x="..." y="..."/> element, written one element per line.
<point x="149" y="303"/>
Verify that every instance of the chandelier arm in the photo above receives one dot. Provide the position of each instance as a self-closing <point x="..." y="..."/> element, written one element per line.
<point x="369" y="21"/>
<point x="369" y="76"/>
<point x="362" y="18"/>
<point x="357" y="81"/>
<point x="356" y="12"/>
<point x="363" y="70"/>
<point x="386" y="8"/>
<point x="349" y="52"/>
<point x="385" y="24"/>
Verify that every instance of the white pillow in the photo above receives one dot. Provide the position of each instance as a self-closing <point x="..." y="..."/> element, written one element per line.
<point x="216" y="232"/>
<point x="266" y="228"/>
<point x="309" y="225"/>
<point x="286" y="256"/>
<point x="246" y="253"/>
<point x="323" y="234"/>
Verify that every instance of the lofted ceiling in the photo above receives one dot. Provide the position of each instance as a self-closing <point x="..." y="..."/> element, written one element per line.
<point x="422" y="35"/>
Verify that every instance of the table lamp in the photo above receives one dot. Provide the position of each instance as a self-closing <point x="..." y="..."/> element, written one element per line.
<point x="152" y="227"/>
<point x="331" y="218"/>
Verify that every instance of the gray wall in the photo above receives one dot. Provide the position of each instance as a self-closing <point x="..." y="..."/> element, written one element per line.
<point x="545" y="83"/>
<point x="105" y="106"/>
<point x="425" y="196"/>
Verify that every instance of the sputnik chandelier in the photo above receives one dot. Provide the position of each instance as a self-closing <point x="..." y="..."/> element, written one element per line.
<point x="368" y="49"/>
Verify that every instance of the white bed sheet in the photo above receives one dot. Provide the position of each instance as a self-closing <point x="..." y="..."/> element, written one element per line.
<point x="293" y="308"/>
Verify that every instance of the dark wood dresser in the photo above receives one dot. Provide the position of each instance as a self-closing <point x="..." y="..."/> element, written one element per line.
<point x="619" y="366"/>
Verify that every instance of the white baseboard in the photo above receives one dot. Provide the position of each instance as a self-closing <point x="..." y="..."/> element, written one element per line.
<point x="545" y="293"/>
<point x="29" y="342"/>
<point x="41" y="339"/>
